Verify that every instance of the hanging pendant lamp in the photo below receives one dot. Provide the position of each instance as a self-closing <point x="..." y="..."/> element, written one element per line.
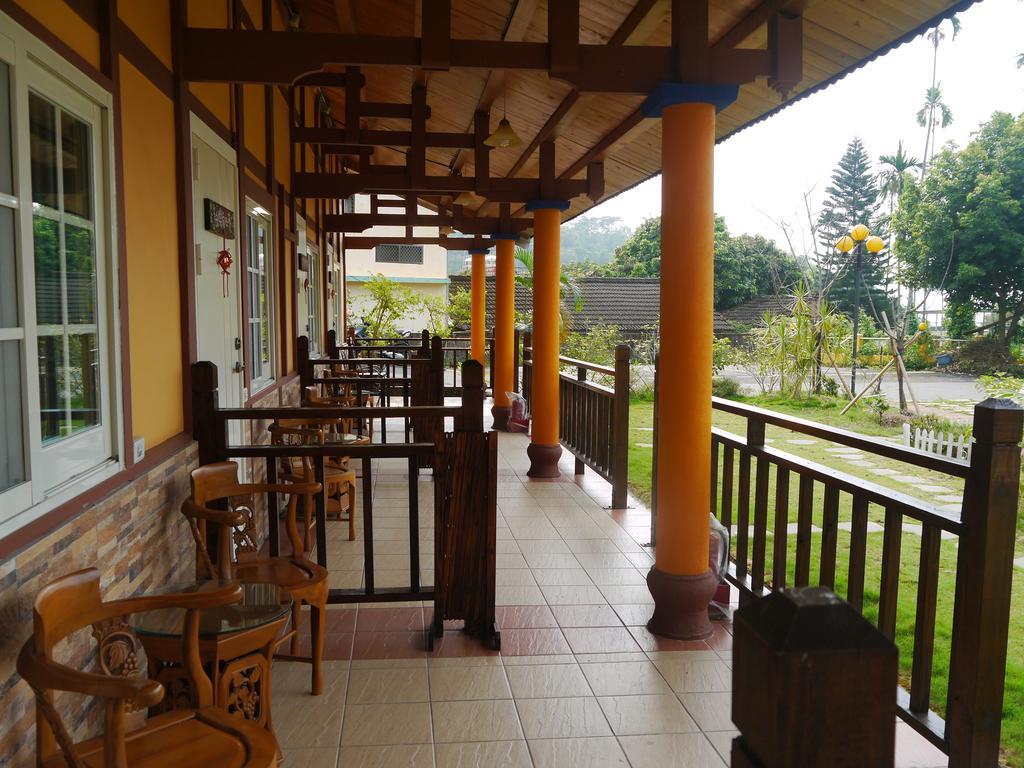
<point x="504" y="135"/>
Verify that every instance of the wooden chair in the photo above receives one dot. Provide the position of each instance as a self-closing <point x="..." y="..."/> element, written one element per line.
<point x="217" y="484"/>
<point x="204" y="736"/>
<point x="339" y="479"/>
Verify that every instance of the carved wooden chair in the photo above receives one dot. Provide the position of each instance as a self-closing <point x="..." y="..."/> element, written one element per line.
<point x="215" y="485"/>
<point x="207" y="735"/>
<point x="339" y="478"/>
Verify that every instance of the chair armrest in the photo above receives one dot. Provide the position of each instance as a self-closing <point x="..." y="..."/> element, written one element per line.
<point x="218" y="516"/>
<point x="44" y="674"/>
<point x="211" y="595"/>
<point x="299" y="488"/>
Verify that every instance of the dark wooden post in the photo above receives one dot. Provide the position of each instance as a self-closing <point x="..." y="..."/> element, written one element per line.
<point x="207" y="430"/>
<point x="620" y="428"/>
<point x="471" y="417"/>
<point x="984" y="575"/>
<point x="813" y="684"/>
<point x="425" y="341"/>
<point x="332" y="344"/>
<point x="515" y="360"/>
<point x="436" y="371"/>
<point x="302" y="359"/>
<point x="578" y="404"/>
<point x="654" y="459"/>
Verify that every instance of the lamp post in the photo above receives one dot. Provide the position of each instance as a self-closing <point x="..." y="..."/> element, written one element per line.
<point x="855" y="241"/>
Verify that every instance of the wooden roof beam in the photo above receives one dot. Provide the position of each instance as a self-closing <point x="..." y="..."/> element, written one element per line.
<point x="363" y="137"/>
<point x="469" y="225"/>
<point x="358" y="242"/>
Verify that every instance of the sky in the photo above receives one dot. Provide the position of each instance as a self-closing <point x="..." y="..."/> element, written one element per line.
<point x="755" y="188"/>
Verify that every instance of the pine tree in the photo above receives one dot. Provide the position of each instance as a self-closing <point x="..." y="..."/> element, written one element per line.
<point x="852" y="198"/>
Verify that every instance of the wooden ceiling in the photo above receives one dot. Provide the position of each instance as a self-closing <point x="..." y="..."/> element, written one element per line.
<point x="838" y="36"/>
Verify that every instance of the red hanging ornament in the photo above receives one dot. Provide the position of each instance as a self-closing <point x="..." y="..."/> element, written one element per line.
<point x="224" y="261"/>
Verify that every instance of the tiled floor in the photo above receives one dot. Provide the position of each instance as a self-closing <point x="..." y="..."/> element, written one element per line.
<point x="579" y="680"/>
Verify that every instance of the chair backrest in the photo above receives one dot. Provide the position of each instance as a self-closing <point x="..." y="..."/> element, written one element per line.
<point x="73" y="602"/>
<point x="216" y="485"/>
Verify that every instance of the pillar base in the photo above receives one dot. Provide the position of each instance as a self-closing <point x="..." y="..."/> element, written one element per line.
<point x="500" y="414"/>
<point x="681" y="604"/>
<point x="544" y="460"/>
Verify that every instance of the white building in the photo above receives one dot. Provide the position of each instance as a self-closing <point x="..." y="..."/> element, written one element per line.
<point x="421" y="268"/>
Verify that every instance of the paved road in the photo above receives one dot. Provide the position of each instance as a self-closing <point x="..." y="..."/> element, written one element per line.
<point x="928" y="386"/>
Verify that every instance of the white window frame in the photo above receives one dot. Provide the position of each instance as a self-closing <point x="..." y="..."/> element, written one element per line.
<point x="79" y="466"/>
<point x="253" y="211"/>
<point x="314" y="317"/>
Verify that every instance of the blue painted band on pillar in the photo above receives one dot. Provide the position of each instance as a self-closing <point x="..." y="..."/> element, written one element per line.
<point x="668" y="94"/>
<point x="504" y="236"/>
<point x="538" y="205"/>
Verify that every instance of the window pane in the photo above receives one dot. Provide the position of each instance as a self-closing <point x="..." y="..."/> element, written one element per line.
<point x="80" y="267"/>
<point x="76" y="161"/>
<point x="12" y="451"/>
<point x="42" y="120"/>
<point x="46" y="244"/>
<point x="6" y="170"/>
<point x="265" y="319"/>
<point x="52" y="388"/>
<point x="8" y="271"/>
<point x="83" y="381"/>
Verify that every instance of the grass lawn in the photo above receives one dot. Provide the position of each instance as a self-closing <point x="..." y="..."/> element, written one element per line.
<point x="938" y="488"/>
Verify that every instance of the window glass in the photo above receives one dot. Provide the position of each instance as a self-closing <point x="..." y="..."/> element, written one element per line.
<point x="75" y="166"/>
<point x="42" y="122"/>
<point x="260" y="326"/>
<point x="8" y="270"/>
<point x="12" y="449"/>
<point x="6" y="168"/>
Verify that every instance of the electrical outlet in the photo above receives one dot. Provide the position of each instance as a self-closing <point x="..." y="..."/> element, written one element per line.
<point x="139" y="449"/>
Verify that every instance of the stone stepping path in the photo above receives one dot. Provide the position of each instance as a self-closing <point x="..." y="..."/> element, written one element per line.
<point x="916" y="530"/>
<point x="861" y="463"/>
<point x="950" y="499"/>
<point x="1019" y="562"/>
<point x="884" y="472"/>
<point x="871" y="528"/>
<point x="845" y="450"/>
<point x="645" y="445"/>
<point x="802" y="441"/>
<point x="909" y="479"/>
<point x="935" y="489"/>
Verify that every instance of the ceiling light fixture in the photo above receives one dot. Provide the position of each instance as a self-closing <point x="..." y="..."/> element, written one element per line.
<point x="504" y="135"/>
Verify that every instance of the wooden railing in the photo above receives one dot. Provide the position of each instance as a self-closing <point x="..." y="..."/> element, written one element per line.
<point x="593" y="417"/>
<point x="769" y="556"/>
<point x="464" y="463"/>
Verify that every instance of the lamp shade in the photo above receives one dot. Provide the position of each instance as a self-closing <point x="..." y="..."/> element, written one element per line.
<point x="859" y="232"/>
<point x="875" y="244"/>
<point x="845" y="244"/>
<point x="503" y="136"/>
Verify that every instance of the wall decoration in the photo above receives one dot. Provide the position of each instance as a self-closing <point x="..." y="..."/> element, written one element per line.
<point x="218" y="219"/>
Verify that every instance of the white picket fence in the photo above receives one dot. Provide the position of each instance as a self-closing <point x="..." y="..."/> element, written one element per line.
<point x="957" y="448"/>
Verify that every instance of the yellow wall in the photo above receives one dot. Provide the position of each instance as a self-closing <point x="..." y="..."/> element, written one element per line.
<point x="151" y="234"/>
<point x="151" y="21"/>
<point x="58" y="17"/>
<point x="216" y="97"/>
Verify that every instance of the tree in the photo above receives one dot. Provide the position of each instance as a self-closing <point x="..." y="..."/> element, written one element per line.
<point x="936" y="36"/>
<point x="745" y="265"/>
<point x="592" y="239"/>
<point x="933" y="112"/>
<point x="568" y="287"/>
<point x="963" y="226"/>
<point x="385" y="303"/>
<point x="852" y="198"/>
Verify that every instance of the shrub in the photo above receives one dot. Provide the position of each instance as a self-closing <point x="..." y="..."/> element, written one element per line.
<point x="829" y="386"/>
<point x="722" y="354"/>
<point x="878" y="404"/>
<point x="986" y="355"/>
<point x="920" y="355"/>
<point x="931" y="423"/>
<point x="1003" y="385"/>
<point x="723" y="386"/>
<point x="597" y="345"/>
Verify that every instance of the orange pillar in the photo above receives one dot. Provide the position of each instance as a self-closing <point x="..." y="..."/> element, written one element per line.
<point x="504" y="330"/>
<point x="478" y="306"/>
<point x="544" y="450"/>
<point x="681" y="580"/>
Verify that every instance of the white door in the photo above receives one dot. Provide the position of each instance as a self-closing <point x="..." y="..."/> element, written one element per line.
<point x="218" y="296"/>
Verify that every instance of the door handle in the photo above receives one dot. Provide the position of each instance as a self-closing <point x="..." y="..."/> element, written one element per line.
<point x="237" y="367"/>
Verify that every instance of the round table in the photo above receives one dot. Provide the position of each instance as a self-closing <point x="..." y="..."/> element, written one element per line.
<point x="236" y="645"/>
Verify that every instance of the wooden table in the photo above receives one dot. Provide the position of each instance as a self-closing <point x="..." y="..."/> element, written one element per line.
<point x="236" y="644"/>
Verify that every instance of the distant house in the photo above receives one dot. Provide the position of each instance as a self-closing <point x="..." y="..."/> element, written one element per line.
<point x="421" y="268"/>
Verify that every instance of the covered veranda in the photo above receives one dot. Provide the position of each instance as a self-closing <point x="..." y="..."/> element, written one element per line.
<point x="281" y="133"/>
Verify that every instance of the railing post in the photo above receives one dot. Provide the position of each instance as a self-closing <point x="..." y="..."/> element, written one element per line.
<point x="794" y="653"/>
<point x="211" y="435"/>
<point x="654" y="459"/>
<point x="302" y="356"/>
<point x="984" y="576"/>
<point x="515" y="360"/>
<point x="471" y="417"/>
<point x="620" y="427"/>
<point x="436" y="352"/>
<point x="332" y="344"/>
<point x="527" y="366"/>
<point x="578" y="404"/>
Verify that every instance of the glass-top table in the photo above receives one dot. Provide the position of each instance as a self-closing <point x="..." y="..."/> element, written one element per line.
<point x="261" y="604"/>
<point x="345" y="438"/>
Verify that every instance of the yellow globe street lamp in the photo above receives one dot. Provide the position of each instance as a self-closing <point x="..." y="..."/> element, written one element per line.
<point x="859" y="237"/>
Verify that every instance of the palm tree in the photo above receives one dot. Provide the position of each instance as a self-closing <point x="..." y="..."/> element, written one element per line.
<point x="935" y="37"/>
<point x="893" y="175"/>
<point x="933" y="112"/>
<point x="569" y="287"/>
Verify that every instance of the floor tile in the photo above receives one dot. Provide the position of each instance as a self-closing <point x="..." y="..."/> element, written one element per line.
<point x="585" y="616"/>
<point x="651" y="642"/>
<point x="486" y="754"/>
<point x="307" y="725"/>
<point x="722" y="742"/>
<point x="383" y="724"/>
<point x="550" y="577"/>
<point x="573" y="595"/>
<point x="711" y="711"/>
<point x="605" y="577"/>
<point x="388" y="645"/>
<point x="389" y="620"/>
<point x="914" y="751"/>
<point x="624" y="678"/>
<point x="466" y="721"/>
<point x="634" y="615"/>
<point x="519" y="595"/>
<point x="562" y="718"/>
<point x="532" y="642"/>
<point x="600" y="639"/>
<point x="380" y="686"/>
<point x="646" y="714"/>
<point x="543" y="681"/>
<point x="678" y="750"/>
<point x="696" y="675"/>
<point x="524" y="617"/>
<point x="578" y="753"/>
<point x="635" y="594"/>
<point x="310" y="758"/>
<point x="291" y="682"/>
<point x="398" y="756"/>
<point x="450" y="683"/>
